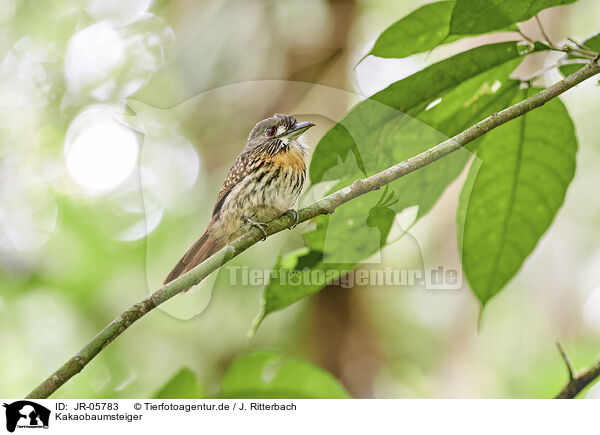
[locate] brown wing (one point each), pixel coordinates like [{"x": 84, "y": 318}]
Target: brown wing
[
  {"x": 240, "y": 168},
  {"x": 208, "y": 243}
]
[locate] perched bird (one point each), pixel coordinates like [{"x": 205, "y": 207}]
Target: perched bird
[{"x": 263, "y": 184}]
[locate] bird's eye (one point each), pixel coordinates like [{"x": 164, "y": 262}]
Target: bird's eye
[{"x": 270, "y": 131}]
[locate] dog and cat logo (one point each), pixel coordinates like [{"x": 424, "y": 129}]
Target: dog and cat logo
[{"x": 26, "y": 414}]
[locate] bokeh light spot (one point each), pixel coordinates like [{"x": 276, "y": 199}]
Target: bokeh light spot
[
  {"x": 100, "y": 152},
  {"x": 93, "y": 55}
]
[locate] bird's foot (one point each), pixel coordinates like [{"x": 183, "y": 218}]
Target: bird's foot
[
  {"x": 294, "y": 214},
  {"x": 261, "y": 226}
]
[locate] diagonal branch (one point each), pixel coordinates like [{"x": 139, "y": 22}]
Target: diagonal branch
[
  {"x": 323, "y": 206},
  {"x": 577, "y": 380},
  {"x": 567, "y": 360}
]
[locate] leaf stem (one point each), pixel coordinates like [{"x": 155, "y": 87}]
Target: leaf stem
[
  {"x": 527, "y": 38},
  {"x": 581, "y": 46},
  {"x": 567, "y": 361},
  {"x": 544, "y": 34}
]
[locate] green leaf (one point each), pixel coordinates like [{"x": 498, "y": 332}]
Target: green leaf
[
  {"x": 593, "y": 43},
  {"x": 182, "y": 385},
  {"x": 480, "y": 16},
  {"x": 423, "y": 29},
  {"x": 527, "y": 165},
  {"x": 368, "y": 123},
  {"x": 265, "y": 374},
  {"x": 412, "y": 94},
  {"x": 373, "y": 137},
  {"x": 474, "y": 100}
]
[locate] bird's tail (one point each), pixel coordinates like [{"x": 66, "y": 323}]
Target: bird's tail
[{"x": 203, "y": 248}]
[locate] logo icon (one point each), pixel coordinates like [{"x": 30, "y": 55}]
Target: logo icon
[{"x": 26, "y": 414}]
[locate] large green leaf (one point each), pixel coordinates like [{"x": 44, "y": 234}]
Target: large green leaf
[
  {"x": 412, "y": 94},
  {"x": 527, "y": 165},
  {"x": 368, "y": 123},
  {"x": 480, "y": 16},
  {"x": 472, "y": 101},
  {"x": 264, "y": 374},
  {"x": 182, "y": 385},
  {"x": 423, "y": 29},
  {"x": 375, "y": 136}
]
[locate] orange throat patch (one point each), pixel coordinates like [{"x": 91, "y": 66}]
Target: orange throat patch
[{"x": 294, "y": 158}]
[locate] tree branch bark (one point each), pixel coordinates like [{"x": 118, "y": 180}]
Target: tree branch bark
[
  {"x": 577, "y": 380},
  {"x": 323, "y": 206}
]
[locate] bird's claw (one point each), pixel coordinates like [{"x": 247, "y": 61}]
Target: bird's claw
[
  {"x": 261, "y": 226},
  {"x": 294, "y": 214}
]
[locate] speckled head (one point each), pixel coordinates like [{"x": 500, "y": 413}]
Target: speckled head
[{"x": 278, "y": 133}]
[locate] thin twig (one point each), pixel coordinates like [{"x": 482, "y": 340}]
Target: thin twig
[
  {"x": 567, "y": 361},
  {"x": 574, "y": 52},
  {"x": 583, "y": 53},
  {"x": 565, "y": 61},
  {"x": 527, "y": 38},
  {"x": 578, "y": 44},
  {"x": 583, "y": 48},
  {"x": 323, "y": 206},
  {"x": 539, "y": 22},
  {"x": 561, "y": 62},
  {"x": 577, "y": 380},
  {"x": 578, "y": 50}
]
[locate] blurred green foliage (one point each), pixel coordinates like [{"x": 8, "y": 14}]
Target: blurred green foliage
[
  {"x": 264, "y": 374},
  {"x": 182, "y": 385}
]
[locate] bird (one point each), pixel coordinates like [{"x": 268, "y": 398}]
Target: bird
[{"x": 263, "y": 183}]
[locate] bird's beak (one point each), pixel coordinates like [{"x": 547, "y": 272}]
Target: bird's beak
[{"x": 298, "y": 128}]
